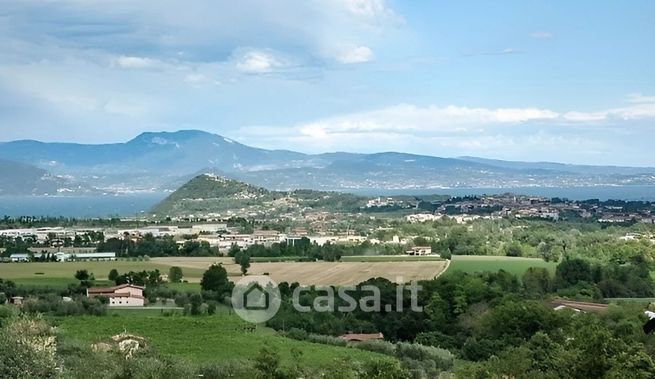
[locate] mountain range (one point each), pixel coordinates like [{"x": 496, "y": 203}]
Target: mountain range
[{"x": 164, "y": 161}]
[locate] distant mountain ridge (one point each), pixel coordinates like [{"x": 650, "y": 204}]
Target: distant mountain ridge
[
  {"x": 18, "y": 178},
  {"x": 563, "y": 167},
  {"x": 163, "y": 161}
]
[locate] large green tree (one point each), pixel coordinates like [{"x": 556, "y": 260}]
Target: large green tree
[
  {"x": 175, "y": 274},
  {"x": 215, "y": 279}
]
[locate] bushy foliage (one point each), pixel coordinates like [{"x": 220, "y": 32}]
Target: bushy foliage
[
  {"x": 28, "y": 349},
  {"x": 442, "y": 359},
  {"x": 175, "y": 274},
  {"x": 377, "y": 346},
  {"x": 150, "y": 246},
  {"x": 54, "y": 305},
  {"x": 215, "y": 280},
  {"x": 326, "y": 340}
]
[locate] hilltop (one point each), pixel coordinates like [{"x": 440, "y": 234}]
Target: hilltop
[{"x": 213, "y": 194}]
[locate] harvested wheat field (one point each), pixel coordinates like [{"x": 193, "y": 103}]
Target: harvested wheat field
[{"x": 320, "y": 273}]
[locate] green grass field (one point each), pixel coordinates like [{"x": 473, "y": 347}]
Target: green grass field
[
  {"x": 60, "y": 272},
  {"x": 52, "y": 282},
  {"x": 184, "y": 287},
  {"x": 514, "y": 265},
  {"x": 389, "y": 258},
  {"x": 220, "y": 337}
]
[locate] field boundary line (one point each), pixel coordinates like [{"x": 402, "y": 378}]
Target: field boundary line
[{"x": 444, "y": 269}]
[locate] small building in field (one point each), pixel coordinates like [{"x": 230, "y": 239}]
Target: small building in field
[
  {"x": 19, "y": 257},
  {"x": 125, "y": 295},
  {"x": 420, "y": 250},
  {"x": 578, "y": 306},
  {"x": 359, "y": 337},
  {"x": 90, "y": 256},
  {"x": 16, "y": 300}
]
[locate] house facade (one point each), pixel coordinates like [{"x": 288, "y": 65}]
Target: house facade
[{"x": 125, "y": 295}]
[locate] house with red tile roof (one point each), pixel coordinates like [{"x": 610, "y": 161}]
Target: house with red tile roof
[{"x": 124, "y": 295}]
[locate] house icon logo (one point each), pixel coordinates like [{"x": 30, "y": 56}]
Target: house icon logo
[{"x": 256, "y": 299}]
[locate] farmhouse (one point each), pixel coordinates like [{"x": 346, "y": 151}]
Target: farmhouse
[
  {"x": 420, "y": 250},
  {"x": 125, "y": 295}
]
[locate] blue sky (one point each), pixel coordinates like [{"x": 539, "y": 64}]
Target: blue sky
[{"x": 521, "y": 80}]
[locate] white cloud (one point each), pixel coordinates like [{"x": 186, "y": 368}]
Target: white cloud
[
  {"x": 584, "y": 116},
  {"x": 371, "y": 11},
  {"x": 148, "y": 33},
  {"x": 407, "y": 127},
  {"x": 405, "y": 118},
  {"x": 639, "y": 98},
  {"x": 257, "y": 62},
  {"x": 354, "y": 54},
  {"x": 137, "y": 62},
  {"x": 399, "y": 127},
  {"x": 639, "y": 107},
  {"x": 635, "y": 112}
]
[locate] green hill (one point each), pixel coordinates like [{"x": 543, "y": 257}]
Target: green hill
[{"x": 209, "y": 194}]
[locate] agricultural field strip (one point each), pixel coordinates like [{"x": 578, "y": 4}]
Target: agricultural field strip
[{"x": 318, "y": 273}]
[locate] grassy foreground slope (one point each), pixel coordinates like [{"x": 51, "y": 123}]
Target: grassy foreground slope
[{"x": 216, "y": 338}]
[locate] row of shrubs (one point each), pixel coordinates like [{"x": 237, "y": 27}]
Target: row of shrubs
[
  {"x": 54, "y": 305},
  {"x": 419, "y": 360},
  {"x": 302, "y": 335}
]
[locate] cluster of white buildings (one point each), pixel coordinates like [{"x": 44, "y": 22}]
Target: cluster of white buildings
[
  {"x": 67, "y": 257},
  {"x": 538, "y": 212},
  {"x": 458, "y": 218},
  {"x": 42, "y": 235},
  {"x": 380, "y": 202},
  {"x": 168, "y": 230},
  {"x": 269, "y": 237}
]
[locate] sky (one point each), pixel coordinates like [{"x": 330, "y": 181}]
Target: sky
[{"x": 563, "y": 81}]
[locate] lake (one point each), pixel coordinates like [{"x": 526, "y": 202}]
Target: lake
[
  {"x": 130, "y": 205},
  {"x": 79, "y": 206}
]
